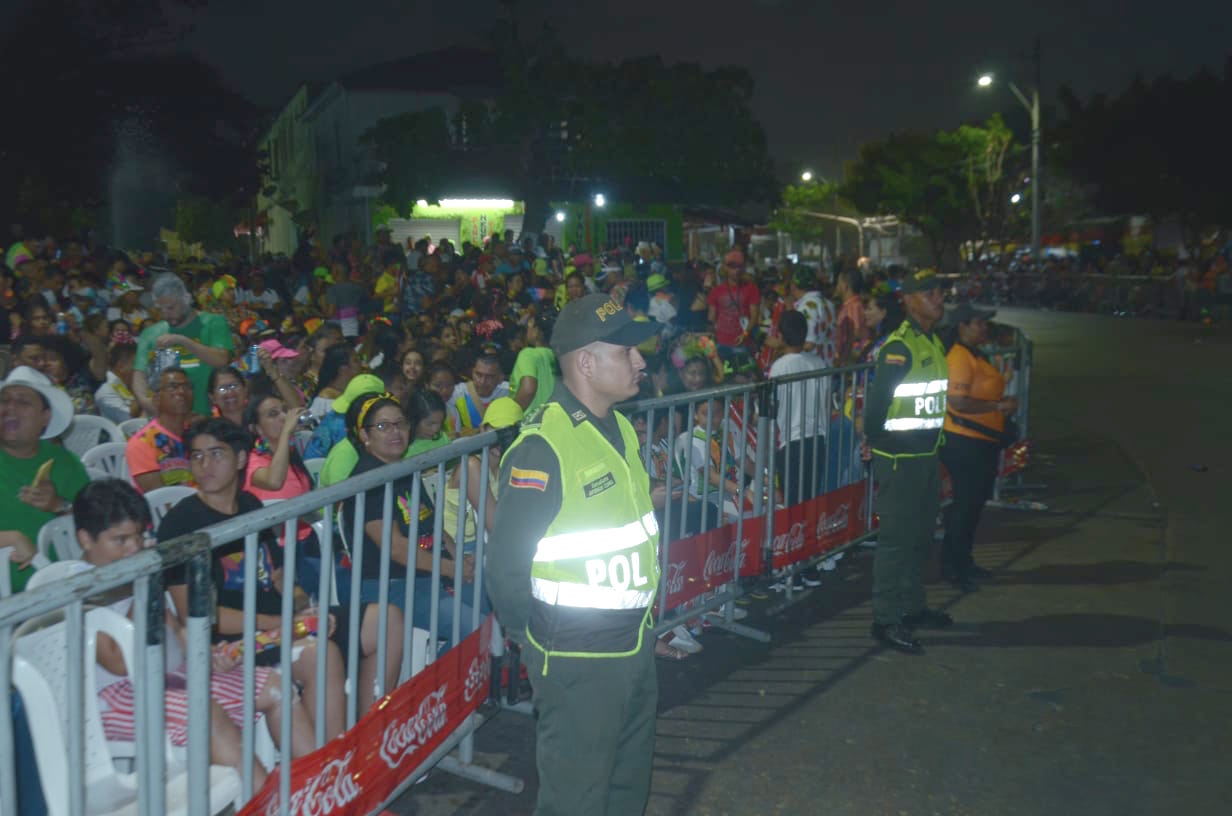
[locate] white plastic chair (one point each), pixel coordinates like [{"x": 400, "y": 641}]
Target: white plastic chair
[
  {"x": 40, "y": 674},
  {"x": 110, "y": 457},
  {"x": 66, "y": 568},
  {"x": 86, "y": 431},
  {"x": 96, "y": 474},
  {"x": 130, "y": 426},
  {"x": 162, "y": 499},
  {"x": 60, "y": 533},
  {"x": 313, "y": 466}
]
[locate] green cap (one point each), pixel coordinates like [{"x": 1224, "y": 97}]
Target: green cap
[
  {"x": 656, "y": 282},
  {"x": 358, "y": 386}
]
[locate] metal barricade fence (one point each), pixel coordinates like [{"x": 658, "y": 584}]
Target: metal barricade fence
[
  {"x": 426, "y": 717},
  {"x": 713, "y": 537},
  {"x": 802, "y": 493}
]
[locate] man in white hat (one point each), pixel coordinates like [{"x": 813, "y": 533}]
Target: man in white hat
[{"x": 38, "y": 480}]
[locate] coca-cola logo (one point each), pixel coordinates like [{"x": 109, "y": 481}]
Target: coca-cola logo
[
  {"x": 790, "y": 541},
  {"x": 476, "y": 678},
  {"x": 402, "y": 738},
  {"x": 331, "y": 790},
  {"x": 725, "y": 564},
  {"x": 675, "y": 576},
  {"x": 836, "y": 522}
]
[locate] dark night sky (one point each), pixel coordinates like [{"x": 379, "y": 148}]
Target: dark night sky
[{"x": 829, "y": 75}]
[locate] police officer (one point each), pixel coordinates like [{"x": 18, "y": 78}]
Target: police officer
[
  {"x": 572, "y": 569},
  {"x": 903, "y": 418}
]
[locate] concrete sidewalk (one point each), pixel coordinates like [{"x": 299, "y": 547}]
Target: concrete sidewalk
[{"x": 1092, "y": 676}]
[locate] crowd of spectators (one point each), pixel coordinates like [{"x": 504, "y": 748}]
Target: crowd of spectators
[
  {"x": 1150, "y": 284},
  {"x": 235, "y": 375}
]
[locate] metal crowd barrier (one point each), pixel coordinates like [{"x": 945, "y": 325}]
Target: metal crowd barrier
[
  {"x": 707, "y": 551},
  {"x": 430, "y": 726},
  {"x": 801, "y": 498}
]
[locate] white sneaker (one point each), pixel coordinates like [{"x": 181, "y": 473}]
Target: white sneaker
[
  {"x": 684, "y": 641},
  {"x": 830, "y": 563},
  {"x": 737, "y": 612},
  {"x": 809, "y": 580}
]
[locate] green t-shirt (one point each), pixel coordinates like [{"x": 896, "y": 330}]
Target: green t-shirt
[
  {"x": 537, "y": 362},
  {"x": 209, "y": 330},
  {"x": 67, "y": 474}
]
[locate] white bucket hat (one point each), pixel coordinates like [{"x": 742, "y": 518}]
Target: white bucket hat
[{"x": 57, "y": 400}]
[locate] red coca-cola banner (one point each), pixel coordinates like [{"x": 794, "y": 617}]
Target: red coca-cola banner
[
  {"x": 356, "y": 772},
  {"x": 706, "y": 561},
  {"x": 812, "y": 527}
]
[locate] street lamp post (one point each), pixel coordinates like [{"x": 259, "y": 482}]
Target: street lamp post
[{"x": 1033, "y": 109}]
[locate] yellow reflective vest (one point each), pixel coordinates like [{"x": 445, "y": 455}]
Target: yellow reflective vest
[
  {"x": 596, "y": 568},
  {"x": 918, "y": 403}
]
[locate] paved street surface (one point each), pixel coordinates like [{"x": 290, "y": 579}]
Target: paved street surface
[{"x": 1092, "y": 676}]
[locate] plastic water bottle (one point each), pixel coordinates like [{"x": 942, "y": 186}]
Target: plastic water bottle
[
  {"x": 61, "y": 323},
  {"x": 252, "y": 362}
]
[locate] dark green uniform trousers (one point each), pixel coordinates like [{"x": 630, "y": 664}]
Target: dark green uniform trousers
[
  {"x": 908, "y": 497},
  {"x": 595, "y": 734}
]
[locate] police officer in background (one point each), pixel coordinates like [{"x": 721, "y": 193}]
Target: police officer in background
[
  {"x": 572, "y": 569},
  {"x": 903, "y": 418}
]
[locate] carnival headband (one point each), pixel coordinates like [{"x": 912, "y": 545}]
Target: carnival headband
[{"x": 368, "y": 403}]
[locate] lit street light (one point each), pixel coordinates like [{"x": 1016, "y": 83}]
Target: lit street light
[
  {"x": 600, "y": 201},
  {"x": 560, "y": 215},
  {"x": 807, "y": 175},
  {"x": 1033, "y": 108},
  {"x": 1015, "y": 198}
]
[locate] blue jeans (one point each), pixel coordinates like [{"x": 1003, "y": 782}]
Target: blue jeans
[{"x": 369, "y": 593}]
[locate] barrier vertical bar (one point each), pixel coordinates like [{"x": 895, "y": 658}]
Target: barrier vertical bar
[
  {"x": 74, "y": 645},
  {"x": 408, "y": 623},
  {"x": 8, "y": 753},
  {"x": 438, "y": 543},
  {"x": 324, "y": 596},
  {"x": 666, "y": 534},
  {"x": 459, "y": 550},
  {"x": 140, "y": 668},
  {"x": 466, "y": 748},
  {"x": 765, "y": 430},
  {"x": 382, "y": 599},
  {"x": 357, "y": 562},
  {"x": 148, "y": 706},
  {"x": 247, "y": 734},
  {"x": 197, "y": 635},
  {"x": 286, "y": 646}
]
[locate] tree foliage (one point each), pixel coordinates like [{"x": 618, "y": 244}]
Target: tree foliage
[
  {"x": 563, "y": 127},
  {"x": 1156, "y": 148},
  {"x": 103, "y": 87},
  {"x": 919, "y": 177}
]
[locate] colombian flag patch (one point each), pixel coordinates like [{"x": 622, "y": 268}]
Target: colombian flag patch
[{"x": 536, "y": 479}]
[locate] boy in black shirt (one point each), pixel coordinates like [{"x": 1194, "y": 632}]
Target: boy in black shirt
[{"x": 218, "y": 454}]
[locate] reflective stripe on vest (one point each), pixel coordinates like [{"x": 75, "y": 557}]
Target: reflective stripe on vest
[
  {"x": 914, "y": 423},
  {"x": 600, "y": 541},
  {"x": 919, "y": 400},
  {"x": 919, "y": 389},
  {"x": 579, "y": 596}
]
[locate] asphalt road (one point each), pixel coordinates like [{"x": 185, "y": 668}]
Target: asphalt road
[{"x": 1093, "y": 675}]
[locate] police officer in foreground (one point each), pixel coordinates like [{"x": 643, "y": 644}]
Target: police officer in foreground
[
  {"x": 903, "y": 418},
  {"x": 572, "y": 569}
]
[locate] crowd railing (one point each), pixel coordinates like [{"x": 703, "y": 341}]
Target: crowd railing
[
  {"x": 433, "y": 710},
  {"x": 803, "y": 493}
]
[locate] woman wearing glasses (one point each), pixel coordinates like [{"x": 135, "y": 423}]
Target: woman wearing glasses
[{"x": 381, "y": 432}]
